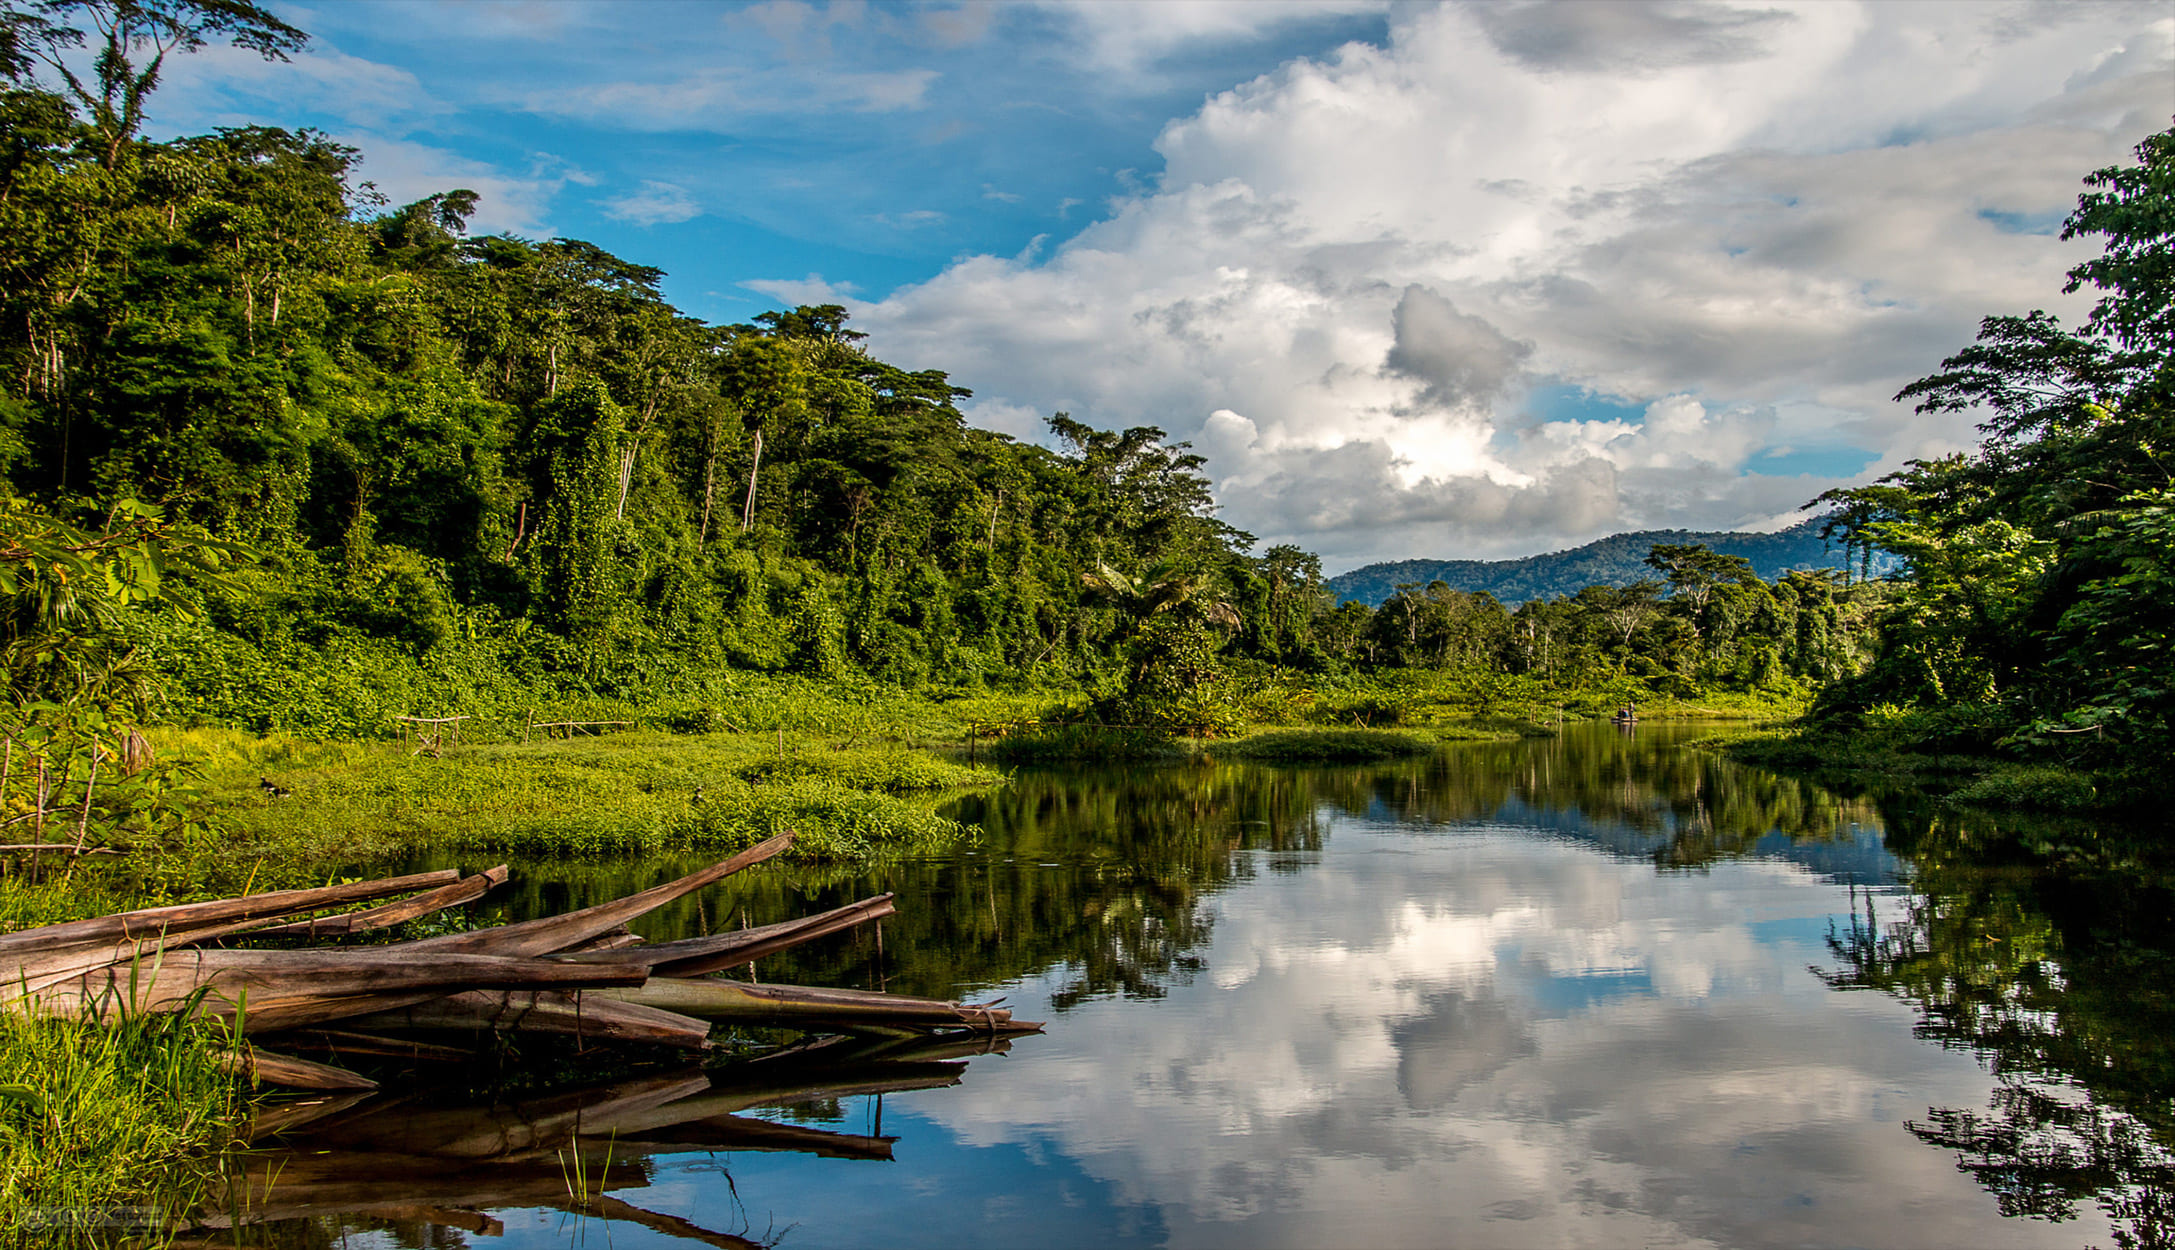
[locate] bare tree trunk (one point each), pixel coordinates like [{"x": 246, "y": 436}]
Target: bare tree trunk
[
  {"x": 747, "y": 510},
  {"x": 709, "y": 477},
  {"x": 626, "y": 477}
]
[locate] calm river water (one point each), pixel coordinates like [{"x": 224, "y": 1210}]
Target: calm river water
[{"x": 1596, "y": 990}]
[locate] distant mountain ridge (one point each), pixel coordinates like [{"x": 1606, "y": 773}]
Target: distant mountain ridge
[{"x": 1617, "y": 560}]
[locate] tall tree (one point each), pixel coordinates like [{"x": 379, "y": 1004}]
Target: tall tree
[{"x": 132, "y": 38}]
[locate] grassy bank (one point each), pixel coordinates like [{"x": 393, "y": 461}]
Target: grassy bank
[
  {"x": 107, "y": 1135},
  {"x": 632, "y": 793}
]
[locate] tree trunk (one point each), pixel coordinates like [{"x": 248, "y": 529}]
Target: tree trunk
[
  {"x": 709, "y": 479},
  {"x": 747, "y": 510}
]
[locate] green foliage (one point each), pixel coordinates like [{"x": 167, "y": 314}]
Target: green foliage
[
  {"x": 489, "y": 475},
  {"x": 132, "y": 1121},
  {"x": 2034, "y": 605},
  {"x": 1305, "y": 746},
  {"x": 2034, "y": 787}
]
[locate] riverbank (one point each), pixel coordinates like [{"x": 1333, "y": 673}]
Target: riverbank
[{"x": 859, "y": 771}]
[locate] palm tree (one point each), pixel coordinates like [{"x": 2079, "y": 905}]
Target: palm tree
[{"x": 1163, "y": 587}]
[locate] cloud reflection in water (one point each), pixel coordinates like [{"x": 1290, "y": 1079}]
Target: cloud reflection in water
[{"x": 1483, "y": 1036}]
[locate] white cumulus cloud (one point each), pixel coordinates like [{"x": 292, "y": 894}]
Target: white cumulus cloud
[{"x": 1755, "y": 223}]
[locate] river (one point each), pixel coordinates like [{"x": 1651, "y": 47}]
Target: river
[{"x": 1591, "y": 990}]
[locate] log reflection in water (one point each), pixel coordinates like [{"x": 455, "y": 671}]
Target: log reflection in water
[{"x": 414, "y": 1159}]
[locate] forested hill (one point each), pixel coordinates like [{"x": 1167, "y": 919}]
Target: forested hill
[{"x": 1618, "y": 560}]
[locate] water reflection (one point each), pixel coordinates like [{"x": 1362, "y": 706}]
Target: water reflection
[{"x": 1573, "y": 990}]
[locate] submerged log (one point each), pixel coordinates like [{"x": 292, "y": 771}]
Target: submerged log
[
  {"x": 350, "y": 1042},
  {"x": 571, "y": 1013},
  {"x": 264, "y": 1067},
  {"x": 805, "y": 1005}
]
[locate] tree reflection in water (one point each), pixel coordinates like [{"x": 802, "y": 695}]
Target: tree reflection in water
[
  {"x": 2042, "y": 947},
  {"x": 2062, "y": 980}
]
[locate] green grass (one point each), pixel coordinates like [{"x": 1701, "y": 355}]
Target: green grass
[
  {"x": 131, "y": 1123},
  {"x": 642, "y": 792}
]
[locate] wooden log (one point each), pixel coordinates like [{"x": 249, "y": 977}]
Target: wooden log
[
  {"x": 273, "y": 990},
  {"x": 571, "y": 1013},
  {"x": 766, "y": 940},
  {"x": 347, "y": 1042},
  {"x": 556, "y": 933},
  {"x": 917, "y": 1047},
  {"x": 263, "y": 1067},
  {"x": 617, "y": 938},
  {"x": 465, "y": 890},
  {"x": 176, "y": 924},
  {"x": 797, "y": 1004},
  {"x": 697, "y": 956}
]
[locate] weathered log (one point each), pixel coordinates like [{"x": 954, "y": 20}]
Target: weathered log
[
  {"x": 182, "y": 922},
  {"x": 690, "y": 957},
  {"x": 263, "y": 1067},
  {"x": 747, "y": 1089},
  {"x": 573, "y": 1013},
  {"x": 617, "y": 938},
  {"x": 465, "y": 890},
  {"x": 349, "y": 1042},
  {"x": 917, "y": 1046},
  {"x": 798, "y": 1004},
  {"x": 273, "y": 990},
  {"x": 556, "y": 933}
]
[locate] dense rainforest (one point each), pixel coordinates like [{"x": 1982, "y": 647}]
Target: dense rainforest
[
  {"x": 451, "y": 470},
  {"x": 441, "y": 471}
]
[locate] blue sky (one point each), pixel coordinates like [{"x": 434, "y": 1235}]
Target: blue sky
[
  {"x": 1420, "y": 280},
  {"x": 759, "y": 143}
]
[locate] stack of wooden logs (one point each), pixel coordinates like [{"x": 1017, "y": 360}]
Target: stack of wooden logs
[{"x": 582, "y": 974}]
